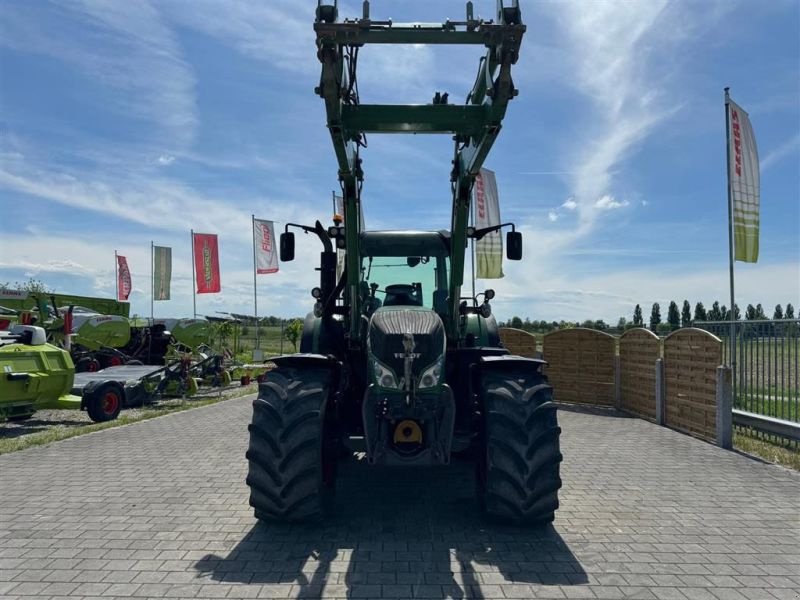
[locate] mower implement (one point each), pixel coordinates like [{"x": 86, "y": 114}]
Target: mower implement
[{"x": 394, "y": 361}]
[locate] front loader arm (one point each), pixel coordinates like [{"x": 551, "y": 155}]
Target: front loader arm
[{"x": 475, "y": 125}]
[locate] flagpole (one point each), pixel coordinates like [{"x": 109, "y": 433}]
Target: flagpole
[
  {"x": 255, "y": 280},
  {"x": 194, "y": 284},
  {"x": 730, "y": 239},
  {"x": 116, "y": 278},
  {"x": 152, "y": 280}
]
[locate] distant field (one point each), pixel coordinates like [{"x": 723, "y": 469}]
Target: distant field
[{"x": 269, "y": 341}]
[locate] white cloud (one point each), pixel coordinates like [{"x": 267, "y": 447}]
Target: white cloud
[
  {"x": 611, "y": 55},
  {"x": 278, "y": 32},
  {"x": 552, "y": 216},
  {"x": 608, "y": 202},
  {"x": 165, "y": 159},
  {"x": 787, "y": 148},
  {"x": 125, "y": 47}
]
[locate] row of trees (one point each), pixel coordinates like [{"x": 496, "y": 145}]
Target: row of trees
[
  {"x": 685, "y": 317},
  {"x": 676, "y": 318}
]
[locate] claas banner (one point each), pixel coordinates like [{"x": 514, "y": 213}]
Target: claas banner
[
  {"x": 123, "y": 278},
  {"x": 206, "y": 263}
]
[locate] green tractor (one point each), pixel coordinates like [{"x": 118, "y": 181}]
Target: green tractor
[{"x": 394, "y": 362}]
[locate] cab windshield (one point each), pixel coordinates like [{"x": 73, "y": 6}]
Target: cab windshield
[{"x": 429, "y": 273}]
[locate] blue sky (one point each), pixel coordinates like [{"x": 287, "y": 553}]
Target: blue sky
[{"x": 126, "y": 122}]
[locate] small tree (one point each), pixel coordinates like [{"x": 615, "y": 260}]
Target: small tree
[
  {"x": 700, "y": 312},
  {"x": 638, "y": 320},
  {"x": 789, "y": 311},
  {"x": 516, "y": 322},
  {"x": 293, "y": 331},
  {"x": 737, "y": 314},
  {"x": 714, "y": 314},
  {"x": 778, "y": 314},
  {"x": 622, "y": 324},
  {"x": 673, "y": 316},
  {"x": 760, "y": 314},
  {"x": 686, "y": 314},
  {"x": 32, "y": 286},
  {"x": 655, "y": 317},
  {"x": 750, "y": 312}
]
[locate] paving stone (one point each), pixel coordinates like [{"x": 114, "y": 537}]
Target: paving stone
[{"x": 159, "y": 509}]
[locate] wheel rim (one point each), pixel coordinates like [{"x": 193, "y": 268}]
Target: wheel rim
[
  {"x": 110, "y": 403},
  {"x": 92, "y": 366},
  {"x": 115, "y": 361}
]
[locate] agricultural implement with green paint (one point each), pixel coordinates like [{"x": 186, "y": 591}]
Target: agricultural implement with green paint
[
  {"x": 35, "y": 375},
  {"x": 394, "y": 361}
]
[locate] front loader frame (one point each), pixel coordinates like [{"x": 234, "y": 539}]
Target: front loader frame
[{"x": 474, "y": 125}]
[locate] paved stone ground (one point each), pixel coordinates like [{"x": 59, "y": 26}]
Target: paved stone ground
[{"x": 159, "y": 509}]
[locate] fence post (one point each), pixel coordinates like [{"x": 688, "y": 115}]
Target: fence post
[
  {"x": 724, "y": 407},
  {"x": 617, "y": 384},
  {"x": 661, "y": 412}
]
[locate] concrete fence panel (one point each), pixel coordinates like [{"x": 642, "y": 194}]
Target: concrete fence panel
[
  {"x": 691, "y": 358},
  {"x": 581, "y": 365},
  {"x": 638, "y": 351},
  {"x": 519, "y": 342}
]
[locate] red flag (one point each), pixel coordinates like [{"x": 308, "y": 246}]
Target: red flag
[
  {"x": 123, "y": 278},
  {"x": 206, "y": 263}
]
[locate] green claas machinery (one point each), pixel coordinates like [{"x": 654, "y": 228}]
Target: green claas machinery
[
  {"x": 35, "y": 375},
  {"x": 394, "y": 362}
]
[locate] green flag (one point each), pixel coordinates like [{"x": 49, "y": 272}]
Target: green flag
[{"x": 162, "y": 272}]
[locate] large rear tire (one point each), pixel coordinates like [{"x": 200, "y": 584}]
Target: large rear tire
[
  {"x": 518, "y": 463},
  {"x": 291, "y": 466}
]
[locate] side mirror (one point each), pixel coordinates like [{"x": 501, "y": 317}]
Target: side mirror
[
  {"x": 287, "y": 246},
  {"x": 412, "y": 261},
  {"x": 514, "y": 245}
]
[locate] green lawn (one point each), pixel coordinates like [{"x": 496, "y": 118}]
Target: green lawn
[{"x": 58, "y": 432}]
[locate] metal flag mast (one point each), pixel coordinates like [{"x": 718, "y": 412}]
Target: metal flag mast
[
  {"x": 152, "y": 280},
  {"x": 255, "y": 278},
  {"x": 194, "y": 285},
  {"x": 730, "y": 238}
]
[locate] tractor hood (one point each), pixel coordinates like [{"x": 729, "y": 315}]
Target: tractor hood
[{"x": 410, "y": 342}]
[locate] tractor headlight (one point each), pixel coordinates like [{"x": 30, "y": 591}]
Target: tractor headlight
[
  {"x": 385, "y": 377},
  {"x": 431, "y": 376}
]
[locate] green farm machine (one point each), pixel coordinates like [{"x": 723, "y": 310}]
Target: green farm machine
[{"x": 394, "y": 361}]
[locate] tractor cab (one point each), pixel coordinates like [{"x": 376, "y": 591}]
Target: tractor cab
[{"x": 404, "y": 268}]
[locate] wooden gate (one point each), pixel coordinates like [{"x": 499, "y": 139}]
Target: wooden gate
[
  {"x": 518, "y": 341},
  {"x": 581, "y": 365},
  {"x": 638, "y": 351},
  {"x": 691, "y": 358}
]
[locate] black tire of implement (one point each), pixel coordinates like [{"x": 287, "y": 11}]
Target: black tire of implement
[
  {"x": 287, "y": 438},
  {"x": 95, "y": 402},
  {"x": 518, "y": 465}
]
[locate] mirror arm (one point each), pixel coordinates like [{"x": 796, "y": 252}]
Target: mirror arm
[
  {"x": 318, "y": 229},
  {"x": 480, "y": 233}
]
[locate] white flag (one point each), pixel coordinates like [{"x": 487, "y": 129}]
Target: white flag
[
  {"x": 745, "y": 184},
  {"x": 264, "y": 240},
  {"x": 488, "y": 249}
]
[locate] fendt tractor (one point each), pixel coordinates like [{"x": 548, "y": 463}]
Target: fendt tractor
[{"x": 394, "y": 362}]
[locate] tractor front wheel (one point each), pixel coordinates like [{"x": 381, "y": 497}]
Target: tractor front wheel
[
  {"x": 518, "y": 463},
  {"x": 292, "y": 469}
]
